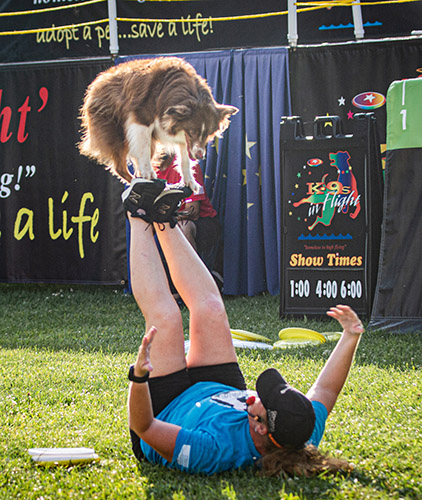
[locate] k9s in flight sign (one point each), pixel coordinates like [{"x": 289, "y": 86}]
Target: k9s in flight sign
[{"x": 327, "y": 213}]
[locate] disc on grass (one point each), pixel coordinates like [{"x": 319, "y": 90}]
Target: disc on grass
[
  {"x": 245, "y": 335},
  {"x": 62, "y": 456},
  {"x": 295, "y": 342},
  {"x": 332, "y": 335},
  {"x": 300, "y": 333},
  {"x": 249, "y": 344},
  {"x": 242, "y": 344}
]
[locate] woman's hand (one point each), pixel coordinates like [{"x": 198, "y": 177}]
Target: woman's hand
[
  {"x": 143, "y": 362},
  {"x": 347, "y": 318}
]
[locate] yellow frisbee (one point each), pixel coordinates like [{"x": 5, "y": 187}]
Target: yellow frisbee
[
  {"x": 295, "y": 342},
  {"x": 300, "y": 334},
  {"x": 245, "y": 335}
]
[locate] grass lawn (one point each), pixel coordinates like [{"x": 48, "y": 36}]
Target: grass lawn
[{"x": 64, "y": 356}]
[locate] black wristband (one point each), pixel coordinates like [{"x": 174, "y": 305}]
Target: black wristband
[{"x": 133, "y": 378}]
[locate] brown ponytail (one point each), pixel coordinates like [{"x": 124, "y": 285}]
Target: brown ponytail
[{"x": 307, "y": 461}]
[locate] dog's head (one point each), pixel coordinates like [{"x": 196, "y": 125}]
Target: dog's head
[{"x": 200, "y": 123}]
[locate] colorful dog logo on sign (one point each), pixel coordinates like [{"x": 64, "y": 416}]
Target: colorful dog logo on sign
[{"x": 333, "y": 196}]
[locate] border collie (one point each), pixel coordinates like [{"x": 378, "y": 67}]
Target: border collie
[{"x": 130, "y": 107}]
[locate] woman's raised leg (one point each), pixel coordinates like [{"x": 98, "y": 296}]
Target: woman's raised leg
[
  {"x": 210, "y": 338},
  {"x": 151, "y": 291}
]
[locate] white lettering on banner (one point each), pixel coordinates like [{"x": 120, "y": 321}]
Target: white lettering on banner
[{"x": 7, "y": 179}]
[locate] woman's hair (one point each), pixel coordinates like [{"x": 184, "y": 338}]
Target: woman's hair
[{"x": 307, "y": 461}]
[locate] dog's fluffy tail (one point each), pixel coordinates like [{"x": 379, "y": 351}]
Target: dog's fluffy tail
[
  {"x": 97, "y": 145},
  {"x": 86, "y": 148},
  {"x": 115, "y": 161}
]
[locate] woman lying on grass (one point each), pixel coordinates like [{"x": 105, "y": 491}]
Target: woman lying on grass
[{"x": 195, "y": 413}]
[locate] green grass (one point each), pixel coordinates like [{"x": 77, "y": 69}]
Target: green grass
[{"x": 64, "y": 355}]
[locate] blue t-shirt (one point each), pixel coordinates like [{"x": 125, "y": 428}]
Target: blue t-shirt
[{"x": 214, "y": 434}]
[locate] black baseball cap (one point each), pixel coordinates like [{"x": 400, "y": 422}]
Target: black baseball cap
[{"x": 291, "y": 417}]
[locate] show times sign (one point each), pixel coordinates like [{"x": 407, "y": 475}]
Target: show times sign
[{"x": 325, "y": 248}]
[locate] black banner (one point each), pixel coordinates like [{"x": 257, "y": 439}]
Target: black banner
[
  {"x": 200, "y": 27},
  {"x": 336, "y": 24},
  {"x": 331, "y": 216},
  {"x": 73, "y": 40},
  {"x": 60, "y": 215},
  {"x": 398, "y": 304},
  {"x": 398, "y": 295},
  {"x": 193, "y": 29},
  {"x": 78, "y": 30},
  {"x": 344, "y": 80}
]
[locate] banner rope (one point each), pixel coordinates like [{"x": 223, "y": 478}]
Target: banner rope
[
  {"x": 231, "y": 18},
  {"x": 351, "y": 3},
  {"x": 143, "y": 1}
]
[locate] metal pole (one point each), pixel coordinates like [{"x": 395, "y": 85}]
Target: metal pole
[
  {"x": 292, "y": 35},
  {"x": 112, "y": 23},
  {"x": 357, "y": 20}
]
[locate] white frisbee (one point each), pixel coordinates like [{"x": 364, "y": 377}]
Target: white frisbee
[
  {"x": 241, "y": 344},
  {"x": 62, "y": 456}
]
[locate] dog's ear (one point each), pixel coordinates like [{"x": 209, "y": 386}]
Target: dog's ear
[
  {"x": 227, "y": 111},
  {"x": 179, "y": 111}
]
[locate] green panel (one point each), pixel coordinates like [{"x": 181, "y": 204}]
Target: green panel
[{"x": 404, "y": 114}]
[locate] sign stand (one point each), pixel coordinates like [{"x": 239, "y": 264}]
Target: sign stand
[{"x": 331, "y": 214}]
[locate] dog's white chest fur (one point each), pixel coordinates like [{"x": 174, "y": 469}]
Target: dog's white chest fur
[{"x": 140, "y": 142}]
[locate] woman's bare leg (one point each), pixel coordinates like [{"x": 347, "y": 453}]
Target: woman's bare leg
[
  {"x": 151, "y": 291},
  {"x": 210, "y": 338}
]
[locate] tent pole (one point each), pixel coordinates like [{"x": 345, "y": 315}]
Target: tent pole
[
  {"x": 292, "y": 35},
  {"x": 357, "y": 20},
  {"x": 114, "y": 37}
]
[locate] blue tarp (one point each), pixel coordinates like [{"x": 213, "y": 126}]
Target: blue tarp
[{"x": 242, "y": 170}]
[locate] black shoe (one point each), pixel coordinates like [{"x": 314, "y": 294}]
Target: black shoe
[
  {"x": 138, "y": 199},
  {"x": 166, "y": 204}
]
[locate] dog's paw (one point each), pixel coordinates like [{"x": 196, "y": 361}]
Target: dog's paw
[
  {"x": 148, "y": 174},
  {"x": 196, "y": 188}
]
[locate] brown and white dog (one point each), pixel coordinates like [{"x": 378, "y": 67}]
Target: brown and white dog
[{"x": 131, "y": 106}]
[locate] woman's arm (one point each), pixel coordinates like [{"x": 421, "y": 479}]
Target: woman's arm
[
  {"x": 159, "y": 435},
  {"x": 331, "y": 380}
]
